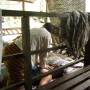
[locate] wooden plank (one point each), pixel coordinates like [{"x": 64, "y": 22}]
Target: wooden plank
[
  {"x": 47, "y": 49},
  {"x": 31, "y": 13},
  {"x": 73, "y": 82},
  {"x": 64, "y": 79},
  {"x": 83, "y": 86}
]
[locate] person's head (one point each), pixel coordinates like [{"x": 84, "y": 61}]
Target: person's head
[{"x": 50, "y": 27}]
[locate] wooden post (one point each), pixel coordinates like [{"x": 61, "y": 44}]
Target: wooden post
[{"x": 26, "y": 51}]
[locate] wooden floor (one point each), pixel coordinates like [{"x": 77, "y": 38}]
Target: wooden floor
[{"x": 79, "y": 80}]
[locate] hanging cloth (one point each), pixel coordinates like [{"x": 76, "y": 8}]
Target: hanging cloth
[{"x": 76, "y": 32}]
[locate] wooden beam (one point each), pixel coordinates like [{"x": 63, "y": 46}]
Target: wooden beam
[{"x": 28, "y": 13}]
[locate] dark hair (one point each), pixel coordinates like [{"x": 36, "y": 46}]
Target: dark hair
[{"x": 50, "y": 27}]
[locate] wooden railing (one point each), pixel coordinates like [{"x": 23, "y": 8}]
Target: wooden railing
[{"x": 26, "y": 48}]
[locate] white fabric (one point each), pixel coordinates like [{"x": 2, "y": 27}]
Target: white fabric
[{"x": 40, "y": 38}]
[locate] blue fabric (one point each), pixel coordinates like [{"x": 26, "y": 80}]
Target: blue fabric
[{"x": 35, "y": 72}]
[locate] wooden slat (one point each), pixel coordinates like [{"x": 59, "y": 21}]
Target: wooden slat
[
  {"x": 13, "y": 86},
  {"x": 84, "y": 86},
  {"x": 13, "y": 55},
  {"x": 64, "y": 79},
  {"x": 33, "y": 52},
  {"x": 21, "y": 83},
  {"x": 73, "y": 82}
]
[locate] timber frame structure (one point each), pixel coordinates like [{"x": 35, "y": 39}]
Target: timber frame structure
[{"x": 26, "y": 54}]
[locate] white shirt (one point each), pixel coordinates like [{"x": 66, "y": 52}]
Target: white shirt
[{"x": 40, "y": 39}]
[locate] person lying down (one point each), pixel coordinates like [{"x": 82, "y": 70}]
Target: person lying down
[{"x": 40, "y": 38}]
